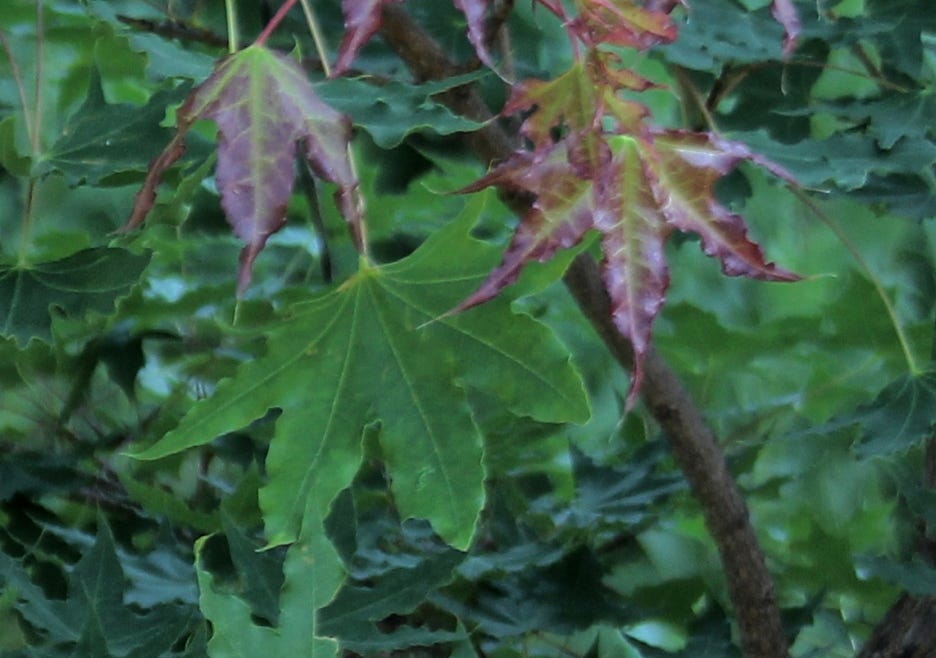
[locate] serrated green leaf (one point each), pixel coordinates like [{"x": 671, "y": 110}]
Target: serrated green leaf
[
  {"x": 89, "y": 280},
  {"x": 375, "y": 351},
  {"x": 392, "y": 111}
]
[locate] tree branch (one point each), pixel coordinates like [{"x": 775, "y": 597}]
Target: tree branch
[{"x": 694, "y": 445}]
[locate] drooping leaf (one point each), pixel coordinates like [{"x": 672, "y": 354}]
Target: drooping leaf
[
  {"x": 265, "y": 109},
  {"x": 90, "y": 280},
  {"x": 559, "y": 217},
  {"x": 635, "y": 272},
  {"x": 391, "y": 111},
  {"x": 785, "y": 13},
  {"x": 102, "y": 139},
  {"x": 683, "y": 177},
  {"x": 362, "y": 355}
]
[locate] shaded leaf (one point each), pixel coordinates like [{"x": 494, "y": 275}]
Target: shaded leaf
[
  {"x": 391, "y": 111},
  {"x": 365, "y": 354},
  {"x": 901, "y": 416},
  {"x": 102, "y": 139},
  {"x": 89, "y": 280},
  {"x": 353, "y": 612},
  {"x": 94, "y": 620},
  {"x": 916, "y": 578}
]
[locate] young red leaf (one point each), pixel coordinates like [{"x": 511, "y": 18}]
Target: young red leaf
[
  {"x": 634, "y": 269},
  {"x": 785, "y": 13},
  {"x": 362, "y": 19},
  {"x": 682, "y": 168},
  {"x": 562, "y": 212},
  {"x": 474, "y": 11},
  {"x": 576, "y": 100},
  {"x": 621, "y": 23},
  {"x": 635, "y": 191},
  {"x": 264, "y": 105}
]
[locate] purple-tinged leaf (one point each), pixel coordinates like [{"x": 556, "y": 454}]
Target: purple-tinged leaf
[
  {"x": 362, "y": 19},
  {"x": 475, "y": 11},
  {"x": 562, "y": 212},
  {"x": 785, "y": 13},
  {"x": 264, "y": 106},
  {"x": 682, "y": 169},
  {"x": 635, "y": 272},
  {"x": 577, "y": 100}
]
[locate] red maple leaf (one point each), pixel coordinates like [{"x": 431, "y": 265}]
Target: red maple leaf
[{"x": 640, "y": 191}]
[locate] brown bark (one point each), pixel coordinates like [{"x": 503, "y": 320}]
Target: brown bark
[{"x": 694, "y": 444}]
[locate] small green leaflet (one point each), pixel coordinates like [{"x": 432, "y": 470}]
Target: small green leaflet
[
  {"x": 378, "y": 350},
  {"x": 89, "y": 280}
]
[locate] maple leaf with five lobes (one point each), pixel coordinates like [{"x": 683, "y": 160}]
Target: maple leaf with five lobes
[
  {"x": 650, "y": 186},
  {"x": 265, "y": 109}
]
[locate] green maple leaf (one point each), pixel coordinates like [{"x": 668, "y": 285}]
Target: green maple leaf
[
  {"x": 102, "y": 139},
  {"x": 265, "y": 109},
  {"x": 364, "y": 354},
  {"x": 89, "y": 280}
]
